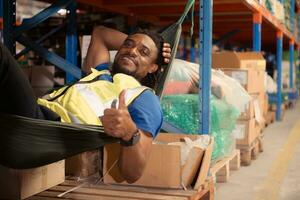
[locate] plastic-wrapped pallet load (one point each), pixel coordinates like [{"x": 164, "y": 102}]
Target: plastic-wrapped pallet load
[
  {"x": 182, "y": 111},
  {"x": 181, "y": 105}
]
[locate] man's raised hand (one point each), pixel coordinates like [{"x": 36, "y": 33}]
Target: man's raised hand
[{"x": 117, "y": 122}]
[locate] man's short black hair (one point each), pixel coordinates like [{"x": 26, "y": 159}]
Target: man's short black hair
[{"x": 151, "y": 79}]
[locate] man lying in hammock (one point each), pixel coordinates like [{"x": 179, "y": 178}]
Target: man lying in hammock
[{"x": 117, "y": 101}]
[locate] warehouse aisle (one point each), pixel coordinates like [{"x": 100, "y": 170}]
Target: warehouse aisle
[{"x": 272, "y": 175}]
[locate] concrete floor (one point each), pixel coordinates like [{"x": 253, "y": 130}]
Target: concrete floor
[{"x": 269, "y": 174}]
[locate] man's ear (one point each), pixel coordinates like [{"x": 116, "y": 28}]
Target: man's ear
[{"x": 153, "y": 68}]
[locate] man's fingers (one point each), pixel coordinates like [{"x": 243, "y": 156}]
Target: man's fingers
[
  {"x": 167, "y": 50},
  {"x": 166, "y": 44},
  {"x": 166, "y": 55},
  {"x": 122, "y": 104}
]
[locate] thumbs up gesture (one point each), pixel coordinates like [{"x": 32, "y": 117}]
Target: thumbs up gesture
[{"x": 117, "y": 121}]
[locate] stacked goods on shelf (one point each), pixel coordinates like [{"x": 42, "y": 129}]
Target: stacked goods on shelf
[
  {"x": 180, "y": 105},
  {"x": 276, "y": 8},
  {"x": 287, "y": 14},
  {"x": 188, "y": 49},
  {"x": 248, "y": 68},
  {"x": 40, "y": 77},
  {"x": 271, "y": 88},
  {"x": 269, "y": 5},
  {"x": 279, "y": 11}
]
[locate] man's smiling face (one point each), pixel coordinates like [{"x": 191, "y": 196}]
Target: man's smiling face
[{"x": 136, "y": 57}]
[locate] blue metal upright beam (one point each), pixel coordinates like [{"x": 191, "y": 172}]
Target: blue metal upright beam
[
  {"x": 279, "y": 73},
  {"x": 291, "y": 64},
  {"x": 205, "y": 49},
  {"x": 50, "y": 56},
  {"x": 257, "y": 20},
  {"x": 9, "y": 20},
  {"x": 71, "y": 39}
]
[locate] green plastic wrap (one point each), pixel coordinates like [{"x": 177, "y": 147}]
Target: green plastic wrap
[{"x": 182, "y": 112}]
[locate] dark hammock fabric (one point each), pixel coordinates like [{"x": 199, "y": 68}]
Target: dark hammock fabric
[{"x": 27, "y": 143}]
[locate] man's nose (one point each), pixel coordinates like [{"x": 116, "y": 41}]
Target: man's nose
[{"x": 134, "y": 51}]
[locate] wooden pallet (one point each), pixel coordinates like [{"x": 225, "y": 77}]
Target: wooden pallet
[
  {"x": 249, "y": 153},
  {"x": 220, "y": 171},
  {"x": 272, "y": 108},
  {"x": 262, "y": 127},
  {"x": 116, "y": 192},
  {"x": 270, "y": 118},
  {"x": 291, "y": 104}
]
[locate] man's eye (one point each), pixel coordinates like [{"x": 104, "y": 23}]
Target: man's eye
[
  {"x": 144, "y": 52},
  {"x": 127, "y": 44}
]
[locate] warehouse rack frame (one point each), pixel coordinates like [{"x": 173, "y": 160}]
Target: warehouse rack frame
[
  {"x": 259, "y": 13},
  {"x": 13, "y": 34}
]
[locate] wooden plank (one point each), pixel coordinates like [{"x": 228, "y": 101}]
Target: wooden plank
[
  {"x": 235, "y": 163},
  {"x": 175, "y": 192},
  {"x": 246, "y": 157},
  {"x": 45, "y": 198},
  {"x": 206, "y": 191},
  {"x": 255, "y": 151},
  {"x": 124, "y": 194},
  {"x": 252, "y": 151},
  {"x": 221, "y": 169},
  {"x": 114, "y": 192},
  {"x": 79, "y": 196}
]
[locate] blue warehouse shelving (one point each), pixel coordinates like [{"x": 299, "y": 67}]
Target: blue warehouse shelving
[{"x": 257, "y": 24}]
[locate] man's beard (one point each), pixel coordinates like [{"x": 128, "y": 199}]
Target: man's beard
[{"x": 116, "y": 68}]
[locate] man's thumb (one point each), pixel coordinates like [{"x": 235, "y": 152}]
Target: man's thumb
[{"x": 122, "y": 104}]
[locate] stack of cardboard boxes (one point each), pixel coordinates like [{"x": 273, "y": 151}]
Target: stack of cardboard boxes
[
  {"x": 23, "y": 183},
  {"x": 41, "y": 78},
  {"x": 248, "y": 68}
]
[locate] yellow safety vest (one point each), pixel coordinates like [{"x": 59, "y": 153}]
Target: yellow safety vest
[{"x": 85, "y": 101}]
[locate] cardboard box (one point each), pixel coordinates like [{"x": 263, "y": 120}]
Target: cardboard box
[
  {"x": 20, "y": 184},
  {"x": 249, "y": 112},
  {"x": 252, "y": 80},
  {"x": 42, "y": 76},
  {"x": 238, "y": 60},
  {"x": 255, "y": 108},
  {"x": 266, "y": 104},
  {"x": 84, "y": 164},
  {"x": 163, "y": 167},
  {"x": 245, "y": 132},
  {"x": 41, "y": 91}
]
